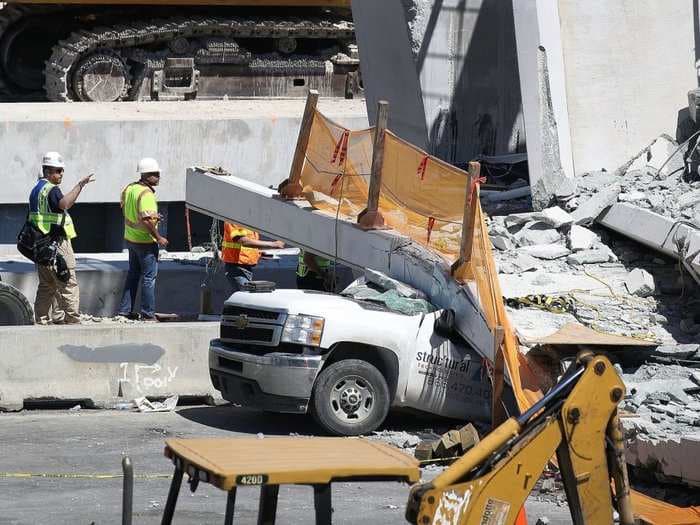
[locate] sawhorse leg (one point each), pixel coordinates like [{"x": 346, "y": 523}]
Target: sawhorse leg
[
  {"x": 322, "y": 504},
  {"x": 267, "y": 510},
  {"x": 172, "y": 496},
  {"x": 230, "y": 506}
]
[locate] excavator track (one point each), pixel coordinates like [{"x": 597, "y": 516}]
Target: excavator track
[{"x": 68, "y": 53}]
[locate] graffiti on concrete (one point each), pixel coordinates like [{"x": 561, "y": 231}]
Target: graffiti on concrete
[
  {"x": 132, "y": 352},
  {"x": 146, "y": 378}
]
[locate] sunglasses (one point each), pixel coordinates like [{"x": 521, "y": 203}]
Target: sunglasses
[
  {"x": 56, "y": 170},
  {"x": 154, "y": 174}
]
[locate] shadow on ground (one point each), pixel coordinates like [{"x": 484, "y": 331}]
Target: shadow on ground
[{"x": 245, "y": 421}]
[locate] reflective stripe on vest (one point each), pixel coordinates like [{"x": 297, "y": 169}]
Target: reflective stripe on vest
[
  {"x": 43, "y": 218},
  {"x": 134, "y": 229},
  {"x": 303, "y": 270}
]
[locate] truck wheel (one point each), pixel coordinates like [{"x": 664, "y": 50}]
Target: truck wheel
[
  {"x": 14, "y": 307},
  {"x": 351, "y": 397}
]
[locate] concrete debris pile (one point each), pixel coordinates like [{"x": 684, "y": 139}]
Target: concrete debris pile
[
  {"x": 558, "y": 266},
  {"x": 554, "y": 271},
  {"x": 451, "y": 444},
  {"x": 663, "y": 435},
  {"x": 653, "y": 180}
]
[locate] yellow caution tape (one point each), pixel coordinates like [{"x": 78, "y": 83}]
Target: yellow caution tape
[{"x": 59, "y": 475}]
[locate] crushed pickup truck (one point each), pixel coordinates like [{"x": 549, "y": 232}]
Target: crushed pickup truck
[{"x": 347, "y": 359}]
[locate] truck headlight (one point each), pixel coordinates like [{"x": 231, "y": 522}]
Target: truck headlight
[{"x": 303, "y": 330}]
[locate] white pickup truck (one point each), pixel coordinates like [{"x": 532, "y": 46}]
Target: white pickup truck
[{"x": 345, "y": 360}]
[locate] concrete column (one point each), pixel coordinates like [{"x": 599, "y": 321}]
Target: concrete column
[
  {"x": 543, "y": 88},
  {"x": 453, "y": 78}
]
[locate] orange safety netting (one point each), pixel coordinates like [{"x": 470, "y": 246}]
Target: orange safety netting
[{"x": 423, "y": 198}]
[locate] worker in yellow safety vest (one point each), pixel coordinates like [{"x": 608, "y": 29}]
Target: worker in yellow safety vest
[
  {"x": 314, "y": 272},
  {"x": 57, "y": 297},
  {"x": 141, "y": 217},
  {"x": 240, "y": 251}
]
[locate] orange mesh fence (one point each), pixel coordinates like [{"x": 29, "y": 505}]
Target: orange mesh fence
[
  {"x": 425, "y": 205},
  {"x": 424, "y": 199}
]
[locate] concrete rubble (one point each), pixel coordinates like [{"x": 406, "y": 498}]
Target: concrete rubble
[{"x": 614, "y": 284}]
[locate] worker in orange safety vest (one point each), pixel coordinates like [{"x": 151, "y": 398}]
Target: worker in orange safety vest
[{"x": 240, "y": 251}]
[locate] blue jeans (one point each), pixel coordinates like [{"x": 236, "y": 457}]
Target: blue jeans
[
  {"x": 143, "y": 267},
  {"x": 238, "y": 275}
]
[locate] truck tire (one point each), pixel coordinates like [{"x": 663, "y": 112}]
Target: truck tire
[
  {"x": 14, "y": 307},
  {"x": 351, "y": 397}
]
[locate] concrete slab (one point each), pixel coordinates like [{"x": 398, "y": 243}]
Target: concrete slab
[
  {"x": 247, "y": 203},
  {"x": 110, "y": 138},
  {"x": 656, "y": 231},
  {"x": 104, "y": 363}
]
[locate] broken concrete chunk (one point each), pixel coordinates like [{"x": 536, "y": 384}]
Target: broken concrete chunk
[
  {"x": 688, "y": 199},
  {"x": 632, "y": 196},
  {"x": 546, "y": 251},
  {"x": 589, "y": 210},
  {"x": 695, "y": 378},
  {"x": 581, "y": 238},
  {"x": 657, "y": 154},
  {"x": 556, "y": 217},
  {"x": 451, "y": 444},
  {"x": 588, "y": 257},
  {"x": 534, "y": 233},
  {"x": 677, "y": 351},
  {"x": 525, "y": 263},
  {"x": 640, "y": 283},
  {"x": 501, "y": 243}
]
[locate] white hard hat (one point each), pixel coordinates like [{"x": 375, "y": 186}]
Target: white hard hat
[
  {"x": 147, "y": 165},
  {"x": 53, "y": 159}
]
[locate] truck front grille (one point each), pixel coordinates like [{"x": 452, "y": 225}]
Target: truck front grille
[
  {"x": 260, "y": 334},
  {"x": 253, "y": 314}
]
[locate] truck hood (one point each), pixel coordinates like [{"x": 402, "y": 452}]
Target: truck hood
[
  {"x": 311, "y": 303},
  {"x": 346, "y": 318}
]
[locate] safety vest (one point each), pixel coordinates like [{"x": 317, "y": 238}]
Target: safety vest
[
  {"x": 43, "y": 218},
  {"x": 232, "y": 251},
  {"x": 302, "y": 270},
  {"x": 138, "y": 201}
]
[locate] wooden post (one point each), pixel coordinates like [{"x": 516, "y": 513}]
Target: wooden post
[
  {"x": 371, "y": 218},
  {"x": 292, "y": 188},
  {"x": 498, "y": 412},
  {"x": 468, "y": 221}
]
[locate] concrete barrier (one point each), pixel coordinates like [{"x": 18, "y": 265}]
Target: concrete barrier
[
  {"x": 101, "y": 279},
  {"x": 104, "y": 363}
]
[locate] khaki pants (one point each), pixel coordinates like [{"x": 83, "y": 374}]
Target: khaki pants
[{"x": 56, "y": 301}]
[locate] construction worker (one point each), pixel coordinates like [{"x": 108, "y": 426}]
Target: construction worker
[
  {"x": 140, "y": 210},
  {"x": 57, "y": 299},
  {"x": 240, "y": 251},
  {"x": 314, "y": 272}
]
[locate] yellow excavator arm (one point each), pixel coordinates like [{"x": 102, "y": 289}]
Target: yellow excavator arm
[{"x": 577, "y": 420}]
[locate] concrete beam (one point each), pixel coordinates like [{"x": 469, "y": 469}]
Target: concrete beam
[
  {"x": 247, "y": 203},
  {"x": 104, "y": 364},
  {"x": 110, "y": 138},
  {"x": 656, "y": 231}
]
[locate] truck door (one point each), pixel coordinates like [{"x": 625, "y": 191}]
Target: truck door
[{"x": 447, "y": 377}]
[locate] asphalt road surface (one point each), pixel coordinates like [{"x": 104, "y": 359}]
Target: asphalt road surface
[{"x": 65, "y": 467}]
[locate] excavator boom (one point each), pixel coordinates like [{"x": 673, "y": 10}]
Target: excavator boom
[{"x": 576, "y": 421}]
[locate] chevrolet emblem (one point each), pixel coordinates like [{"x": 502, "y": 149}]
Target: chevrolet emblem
[{"x": 241, "y": 322}]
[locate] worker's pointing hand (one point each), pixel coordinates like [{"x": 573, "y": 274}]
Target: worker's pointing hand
[{"x": 87, "y": 180}]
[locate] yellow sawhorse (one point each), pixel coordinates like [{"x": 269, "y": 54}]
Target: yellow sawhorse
[{"x": 228, "y": 463}]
